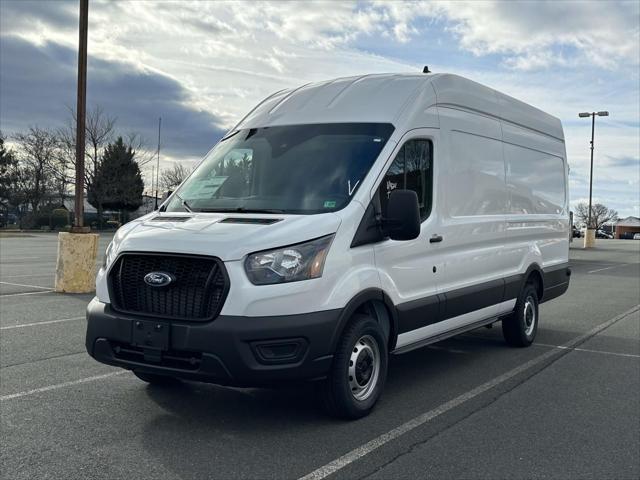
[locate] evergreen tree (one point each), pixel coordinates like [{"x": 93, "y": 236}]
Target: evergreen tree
[
  {"x": 8, "y": 178},
  {"x": 117, "y": 184}
]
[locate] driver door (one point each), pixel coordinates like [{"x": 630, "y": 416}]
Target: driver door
[{"x": 409, "y": 270}]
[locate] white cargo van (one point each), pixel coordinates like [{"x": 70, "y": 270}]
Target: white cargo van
[{"x": 340, "y": 222}]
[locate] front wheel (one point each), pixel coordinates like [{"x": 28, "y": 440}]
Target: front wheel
[
  {"x": 520, "y": 328},
  {"x": 358, "y": 371}
]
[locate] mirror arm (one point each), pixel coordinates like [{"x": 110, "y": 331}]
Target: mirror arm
[
  {"x": 377, "y": 222},
  {"x": 387, "y": 224},
  {"x": 390, "y": 222}
]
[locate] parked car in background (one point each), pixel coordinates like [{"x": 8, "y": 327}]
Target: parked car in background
[
  {"x": 636, "y": 236},
  {"x": 576, "y": 232},
  {"x": 603, "y": 234}
]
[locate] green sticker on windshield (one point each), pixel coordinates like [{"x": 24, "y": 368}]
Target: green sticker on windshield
[{"x": 330, "y": 204}]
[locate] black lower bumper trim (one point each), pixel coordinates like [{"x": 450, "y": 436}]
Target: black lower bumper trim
[{"x": 230, "y": 350}]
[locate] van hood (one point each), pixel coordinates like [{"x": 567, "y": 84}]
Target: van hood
[{"x": 226, "y": 236}]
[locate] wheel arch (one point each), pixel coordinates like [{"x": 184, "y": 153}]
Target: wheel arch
[
  {"x": 534, "y": 274},
  {"x": 375, "y": 303}
]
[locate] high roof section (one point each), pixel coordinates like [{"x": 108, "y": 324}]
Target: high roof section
[
  {"x": 367, "y": 98},
  {"x": 400, "y": 99}
]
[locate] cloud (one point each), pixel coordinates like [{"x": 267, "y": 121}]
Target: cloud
[
  {"x": 38, "y": 85},
  {"x": 540, "y": 34},
  {"x": 623, "y": 162},
  {"x": 205, "y": 64},
  {"x": 22, "y": 14}
]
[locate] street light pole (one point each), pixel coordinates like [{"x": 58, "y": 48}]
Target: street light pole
[
  {"x": 158, "y": 165},
  {"x": 587, "y": 238},
  {"x": 593, "y": 129},
  {"x": 78, "y": 249},
  {"x": 80, "y": 116}
]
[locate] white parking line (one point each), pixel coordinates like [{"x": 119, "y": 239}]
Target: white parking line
[
  {"x": 25, "y": 293},
  {"x": 33, "y": 264},
  {"x": 61, "y": 385},
  {"x": 613, "y": 266},
  {"x": 604, "y": 352},
  {"x": 26, "y": 285},
  {"x": 47, "y": 322},
  {"x": 4, "y": 259},
  {"x": 359, "y": 452}
]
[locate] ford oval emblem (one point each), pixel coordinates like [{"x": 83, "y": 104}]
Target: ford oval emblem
[{"x": 158, "y": 279}]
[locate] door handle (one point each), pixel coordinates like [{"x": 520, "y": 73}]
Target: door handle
[{"x": 435, "y": 239}]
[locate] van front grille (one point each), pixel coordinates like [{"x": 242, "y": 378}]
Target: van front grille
[{"x": 197, "y": 290}]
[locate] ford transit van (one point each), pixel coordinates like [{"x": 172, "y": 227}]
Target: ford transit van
[{"x": 336, "y": 224}]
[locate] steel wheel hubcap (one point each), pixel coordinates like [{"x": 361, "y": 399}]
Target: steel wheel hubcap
[
  {"x": 529, "y": 316},
  {"x": 364, "y": 367}
]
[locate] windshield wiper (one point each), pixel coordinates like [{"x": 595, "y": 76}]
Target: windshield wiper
[
  {"x": 184, "y": 203},
  {"x": 241, "y": 210}
]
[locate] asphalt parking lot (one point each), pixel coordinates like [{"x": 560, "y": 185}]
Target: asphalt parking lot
[{"x": 469, "y": 407}]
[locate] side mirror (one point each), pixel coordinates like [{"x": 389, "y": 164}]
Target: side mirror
[{"x": 403, "y": 215}]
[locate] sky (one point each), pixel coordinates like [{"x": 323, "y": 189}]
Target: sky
[{"x": 202, "y": 65}]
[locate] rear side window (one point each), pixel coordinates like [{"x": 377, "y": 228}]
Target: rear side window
[
  {"x": 536, "y": 181},
  {"x": 412, "y": 169}
]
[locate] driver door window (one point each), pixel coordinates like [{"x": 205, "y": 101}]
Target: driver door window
[{"x": 412, "y": 169}]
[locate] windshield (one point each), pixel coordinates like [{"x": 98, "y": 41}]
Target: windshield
[{"x": 292, "y": 169}]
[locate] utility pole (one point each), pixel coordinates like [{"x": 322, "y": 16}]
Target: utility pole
[
  {"x": 588, "y": 241},
  {"x": 158, "y": 164},
  {"x": 593, "y": 129},
  {"x": 78, "y": 249},
  {"x": 81, "y": 109}
]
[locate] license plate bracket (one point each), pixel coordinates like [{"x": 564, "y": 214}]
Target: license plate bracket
[{"x": 150, "y": 335}]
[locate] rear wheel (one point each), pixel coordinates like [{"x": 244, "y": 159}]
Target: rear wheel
[
  {"x": 155, "y": 379},
  {"x": 520, "y": 328},
  {"x": 359, "y": 370}
]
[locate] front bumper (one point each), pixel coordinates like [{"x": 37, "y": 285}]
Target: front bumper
[{"x": 229, "y": 350}]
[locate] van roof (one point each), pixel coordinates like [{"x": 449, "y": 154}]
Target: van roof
[{"x": 391, "y": 98}]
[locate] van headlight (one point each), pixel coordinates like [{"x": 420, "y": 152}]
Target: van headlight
[
  {"x": 108, "y": 255},
  {"x": 288, "y": 264}
]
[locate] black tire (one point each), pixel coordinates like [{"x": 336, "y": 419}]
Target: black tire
[
  {"x": 520, "y": 328},
  {"x": 364, "y": 341},
  {"x": 155, "y": 379}
]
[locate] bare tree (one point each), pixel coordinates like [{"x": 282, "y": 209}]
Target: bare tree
[
  {"x": 37, "y": 150},
  {"x": 99, "y": 131},
  {"x": 9, "y": 195},
  {"x": 600, "y": 214},
  {"x": 138, "y": 143},
  {"x": 62, "y": 175},
  {"x": 174, "y": 176},
  {"x": 19, "y": 193}
]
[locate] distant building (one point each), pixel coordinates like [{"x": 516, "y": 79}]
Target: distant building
[
  {"x": 70, "y": 204},
  {"x": 627, "y": 227},
  {"x": 148, "y": 204}
]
